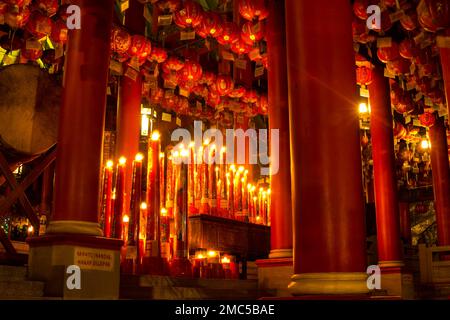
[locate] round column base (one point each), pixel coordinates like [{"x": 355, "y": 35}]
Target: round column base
[
  {"x": 280, "y": 253},
  {"x": 75, "y": 227},
  {"x": 328, "y": 283}
]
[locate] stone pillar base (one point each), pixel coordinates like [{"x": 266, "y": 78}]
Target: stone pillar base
[
  {"x": 397, "y": 282},
  {"x": 280, "y": 253},
  {"x": 98, "y": 259},
  {"x": 274, "y": 275},
  {"x": 329, "y": 283}
]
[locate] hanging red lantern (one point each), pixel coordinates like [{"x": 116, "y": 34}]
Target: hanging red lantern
[
  {"x": 238, "y": 92},
  {"x": 50, "y": 7},
  {"x": 191, "y": 71},
  {"x": 120, "y": 40},
  {"x": 409, "y": 21},
  {"x": 408, "y": 49},
  {"x": 31, "y": 54},
  {"x": 252, "y": 32},
  {"x": 229, "y": 35},
  {"x": 363, "y": 76},
  {"x": 172, "y": 64},
  {"x": 39, "y": 25},
  {"x": 200, "y": 90},
  {"x": 427, "y": 119},
  {"x": 388, "y": 3},
  {"x": 59, "y": 32},
  {"x": 210, "y": 25},
  {"x": 386, "y": 54},
  {"x": 253, "y": 9},
  {"x": 224, "y": 85},
  {"x": 386, "y": 22},
  {"x": 171, "y": 77},
  {"x": 405, "y": 104},
  {"x": 251, "y": 96},
  {"x": 399, "y": 66},
  {"x": 440, "y": 12},
  {"x": 139, "y": 47},
  {"x": 240, "y": 47},
  {"x": 213, "y": 99},
  {"x": 169, "y": 5},
  {"x": 360, "y": 9},
  {"x": 208, "y": 78},
  {"x": 19, "y": 3},
  {"x": 425, "y": 18},
  {"x": 158, "y": 55},
  {"x": 190, "y": 15}
]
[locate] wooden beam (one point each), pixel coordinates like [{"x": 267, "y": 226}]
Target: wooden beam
[{"x": 6, "y": 242}]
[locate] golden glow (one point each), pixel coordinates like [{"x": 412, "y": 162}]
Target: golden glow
[
  {"x": 143, "y": 206},
  {"x": 212, "y": 31},
  {"x": 225, "y": 260},
  {"x": 255, "y": 198},
  {"x": 161, "y": 155},
  {"x": 258, "y": 218},
  {"x": 139, "y": 157},
  {"x": 191, "y": 144},
  {"x": 425, "y": 144},
  {"x": 176, "y": 154},
  {"x": 109, "y": 164},
  {"x": 30, "y": 229},
  {"x": 217, "y": 169},
  {"x": 363, "y": 108},
  {"x": 249, "y": 187},
  {"x": 163, "y": 212},
  {"x": 200, "y": 256},
  {"x": 241, "y": 169},
  {"x": 122, "y": 161},
  {"x": 206, "y": 142},
  {"x": 223, "y": 149},
  {"x": 233, "y": 168},
  {"x": 126, "y": 219},
  {"x": 252, "y": 37},
  {"x": 269, "y": 191},
  {"x": 243, "y": 180},
  {"x": 212, "y": 253},
  {"x": 155, "y": 135},
  {"x": 226, "y": 38},
  {"x": 188, "y": 20},
  {"x": 184, "y": 153}
]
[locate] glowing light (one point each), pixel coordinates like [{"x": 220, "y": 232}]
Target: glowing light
[
  {"x": 200, "y": 256},
  {"x": 126, "y": 219},
  {"x": 212, "y": 31},
  {"x": 252, "y": 37},
  {"x": 206, "y": 142},
  {"x": 122, "y": 161},
  {"x": 191, "y": 144},
  {"x": 258, "y": 218},
  {"x": 233, "y": 168},
  {"x": 225, "y": 260},
  {"x": 188, "y": 20},
  {"x": 109, "y": 164},
  {"x": 269, "y": 191},
  {"x": 184, "y": 153},
  {"x": 363, "y": 108},
  {"x": 176, "y": 154},
  {"x": 161, "y": 155},
  {"x": 226, "y": 38},
  {"x": 249, "y": 187},
  {"x": 143, "y": 206},
  {"x": 139, "y": 157},
  {"x": 30, "y": 229},
  {"x": 155, "y": 136},
  {"x": 425, "y": 144},
  {"x": 212, "y": 253},
  {"x": 163, "y": 212},
  {"x": 241, "y": 169},
  {"x": 223, "y": 149}
]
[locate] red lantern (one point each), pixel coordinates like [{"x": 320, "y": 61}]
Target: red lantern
[
  {"x": 251, "y": 96},
  {"x": 230, "y": 33},
  {"x": 210, "y": 25},
  {"x": 409, "y": 21},
  {"x": 50, "y": 7},
  {"x": 388, "y": 3},
  {"x": 399, "y": 66},
  {"x": 425, "y": 18},
  {"x": 19, "y": 3},
  {"x": 191, "y": 71},
  {"x": 408, "y": 49},
  {"x": 213, "y": 98},
  {"x": 208, "y": 78},
  {"x": 189, "y": 16},
  {"x": 120, "y": 40},
  {"x": 240, "y": 47},
  {"x": 404, "y": 105},
  {"x": 237, "y": 93},
  {"x": 253, "y": 9},
  {"x": 386, "y": 54},
  {"x": 224, "y": 85},
  {"x": 360, "y": 9},
  {"x": 172, "y": 64},
  {"x": 169, "y": 5},
  {"x": 158, "y": 55},
  {"x": 59, "y": 32},
  {"x": 440, "y": 12},
  {"x": 39, "y": 25},
  {"x": 252, "y": 32},
  {"x": 363, "y": 76},
  {"x": 386, "y": 22},
  {"x": 427, "y": 119},
  {"x": 140, "y": 47}
]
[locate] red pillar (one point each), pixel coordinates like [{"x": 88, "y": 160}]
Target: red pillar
[
  {"x": 327, "y": 194},
  {"x": 445, "y": 64},
  {"x": 81, "y": 122},
  {"x": 129, "y": 109},
  {"x": 405, "y": 222},
  {"x": 281, "y": 213},
  {"x": 386, "y": 203},
  {"x": 441, "y": 183}
]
